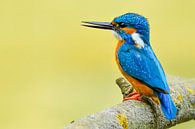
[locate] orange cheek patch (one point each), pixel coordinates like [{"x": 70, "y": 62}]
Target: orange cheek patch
[
  {"x": 114, "y": 23},
  {"x": 129, "y": 30}
]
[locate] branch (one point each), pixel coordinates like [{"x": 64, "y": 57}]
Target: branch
[{"x": 140, "y": 115}]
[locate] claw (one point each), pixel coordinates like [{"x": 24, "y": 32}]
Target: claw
[
  {"x": 133, "y": 96},
  {"x": 133, "y": 93}
]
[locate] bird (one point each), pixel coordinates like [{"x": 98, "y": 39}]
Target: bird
[{"x": 137, "y": 61}]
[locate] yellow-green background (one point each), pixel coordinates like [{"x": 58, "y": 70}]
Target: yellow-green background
[{"x": 53, "y": 71}]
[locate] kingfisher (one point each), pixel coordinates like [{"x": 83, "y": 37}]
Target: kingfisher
[{"x": 137, "y": 60}]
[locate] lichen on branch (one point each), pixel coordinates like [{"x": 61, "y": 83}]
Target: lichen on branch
[{"x": 141, "y": 115}]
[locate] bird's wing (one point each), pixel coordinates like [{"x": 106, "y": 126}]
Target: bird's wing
[{"x": 144, "y": 66}]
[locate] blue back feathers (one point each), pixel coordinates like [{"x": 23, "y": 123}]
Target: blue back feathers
[{"x": 142, "y": 64}]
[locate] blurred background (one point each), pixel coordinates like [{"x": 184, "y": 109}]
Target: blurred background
[{"x": 53, "y": 71}]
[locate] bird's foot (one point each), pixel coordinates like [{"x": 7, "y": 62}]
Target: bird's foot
[
  {"x": 127, "y": 90},
  {"x": 133, "y": 96}
]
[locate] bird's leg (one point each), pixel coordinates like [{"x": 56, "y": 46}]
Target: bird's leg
[
  {"x": 127, "y": 90},
  {"x": 133, "y": 96}
]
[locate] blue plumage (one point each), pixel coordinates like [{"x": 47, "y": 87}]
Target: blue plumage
[
  {"x": 133, "y": 20},
  {"x": 137, "y": 60},
  {"x": 167, "y": 105},
  {"x": 142, "y": 64}
]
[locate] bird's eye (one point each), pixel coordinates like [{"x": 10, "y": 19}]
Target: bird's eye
[{"x": 122, "y": 25}]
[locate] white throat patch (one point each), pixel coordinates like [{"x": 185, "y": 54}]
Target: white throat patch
[
  {"x": 138, "y": 40},
  {"x": 117, "y": 35},
  {"x": 139, "y": 43}
]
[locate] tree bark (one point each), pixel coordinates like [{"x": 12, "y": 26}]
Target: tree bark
[{"x": 143, "y": 114}]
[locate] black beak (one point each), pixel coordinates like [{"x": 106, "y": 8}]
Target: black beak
[{"x": 99, "y": 25}]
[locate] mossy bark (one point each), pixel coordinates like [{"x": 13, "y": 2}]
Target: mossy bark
[{"x": 141, "y": 115}]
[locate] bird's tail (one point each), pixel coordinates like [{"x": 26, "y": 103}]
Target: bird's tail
[{"x": 167, "y": 105}]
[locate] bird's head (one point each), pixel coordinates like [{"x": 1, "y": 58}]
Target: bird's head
[{"x": 129, "y": 27}]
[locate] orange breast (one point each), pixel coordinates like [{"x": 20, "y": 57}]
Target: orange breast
[{"x": 138, "y": 85}]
